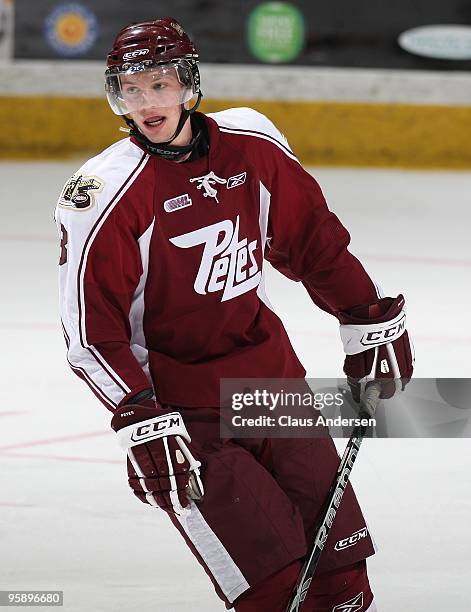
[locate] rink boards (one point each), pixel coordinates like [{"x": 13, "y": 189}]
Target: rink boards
[{"x": 331, "y": 116}]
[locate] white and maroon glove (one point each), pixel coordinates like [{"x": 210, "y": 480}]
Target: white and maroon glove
[
  {"x": 377, "y": 345},
  {"x": 162, "y": 470}
]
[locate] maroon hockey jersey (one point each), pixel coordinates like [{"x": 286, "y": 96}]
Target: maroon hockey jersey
[{"x": 161, "y": 268}]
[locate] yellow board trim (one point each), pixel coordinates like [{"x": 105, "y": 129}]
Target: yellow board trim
[{"x": 320, "y": 133}]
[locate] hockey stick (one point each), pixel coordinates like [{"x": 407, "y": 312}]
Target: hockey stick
[{"x": 368, "y": 408}]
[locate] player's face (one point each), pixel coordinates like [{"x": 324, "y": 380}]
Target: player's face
[{"x": 156, "y": 99}]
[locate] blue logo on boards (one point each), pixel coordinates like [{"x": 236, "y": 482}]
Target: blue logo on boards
[{"x": 71, "y": 29}]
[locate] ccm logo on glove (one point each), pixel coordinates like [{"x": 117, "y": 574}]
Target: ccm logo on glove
[
  {"x": 165, "y": 425},
  {"x": 377, "y": 345},
  {"x": 159, "y": 427},
  {"x": 378, "y": 336},
  {"x": 162, "y": 468}
]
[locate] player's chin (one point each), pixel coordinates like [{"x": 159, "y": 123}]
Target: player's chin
[{"x": 153, "y": 137}]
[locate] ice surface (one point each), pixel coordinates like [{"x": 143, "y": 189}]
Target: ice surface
[{"x": 67, "y": 519}]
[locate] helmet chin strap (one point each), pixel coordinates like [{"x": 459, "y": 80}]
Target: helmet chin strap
[{"x": 166, "y": 149}]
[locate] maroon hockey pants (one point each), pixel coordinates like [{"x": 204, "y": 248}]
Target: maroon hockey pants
[
  {"x": 346, "y": 588},
  {"x": 262, "y": 503}
]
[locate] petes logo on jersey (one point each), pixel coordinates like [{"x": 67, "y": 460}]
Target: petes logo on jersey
[
  {"x": 352, "y": 605},
  {"x": 228, "y": 264},
  {"x": 79, "y": 192},
  {"x": 209, "y": 181}
]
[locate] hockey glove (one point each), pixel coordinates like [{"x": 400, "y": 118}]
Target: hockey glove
[
  {"x": 377, "y": 345},
  {"x": 162, "y": 470}
]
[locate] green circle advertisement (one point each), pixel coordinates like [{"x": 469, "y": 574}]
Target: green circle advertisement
[{"x": 276, "y": 32}]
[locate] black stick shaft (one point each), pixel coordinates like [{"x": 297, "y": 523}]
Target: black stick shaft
[{"x": 334, "y": 497}]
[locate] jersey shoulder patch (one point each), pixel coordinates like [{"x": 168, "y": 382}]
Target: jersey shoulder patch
[
  {"x": 249, "y": 122},
  {"x": 96, "y": 182}
]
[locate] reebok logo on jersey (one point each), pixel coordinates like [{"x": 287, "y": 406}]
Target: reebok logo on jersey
[
  {"x": 176, "y": 203},
  {"x": 236, "y": 180},
  {"x": 352, "y": 605},
  {"x": 351, "y": 540},
  {"x": 208, "y": 182},
  {"x": 79, "y": 192},
  {"x": 228, "y": 263}
]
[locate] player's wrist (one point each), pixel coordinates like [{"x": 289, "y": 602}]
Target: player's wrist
[
  {"x": 370, "y": 325},
  {"x": 137, "y": 414},
  {"x": 140, "y": 397}
]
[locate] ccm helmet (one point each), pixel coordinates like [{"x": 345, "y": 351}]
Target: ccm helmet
[{"x": 158, "y": 48}]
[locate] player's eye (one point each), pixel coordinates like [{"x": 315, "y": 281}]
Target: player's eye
[{"x": 132, "y": 90}]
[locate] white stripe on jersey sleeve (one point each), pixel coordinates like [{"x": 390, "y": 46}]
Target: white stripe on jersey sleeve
[
  {"x": 265, "y": 197},
  {"x": 136, "y": 313},
  {"x": 249, "y": 122},
  {"x": 117, "y": 167}
]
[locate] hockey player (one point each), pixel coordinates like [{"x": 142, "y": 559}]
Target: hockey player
[{"x": 164, "y": 236}]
